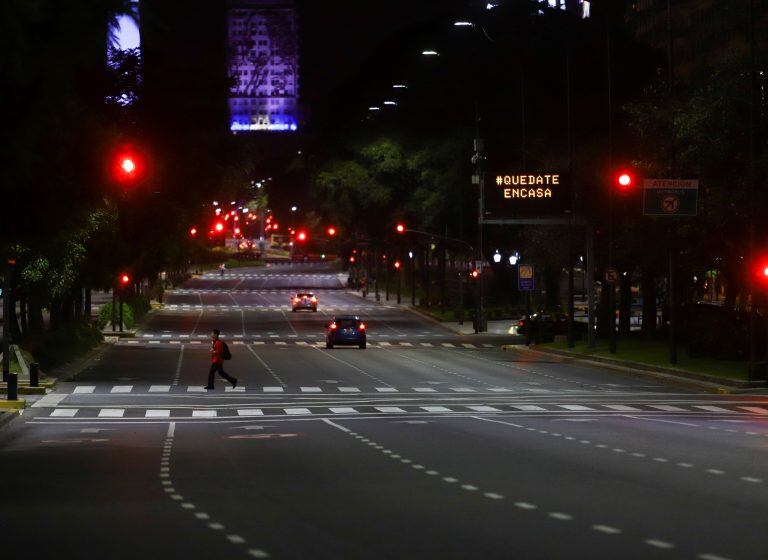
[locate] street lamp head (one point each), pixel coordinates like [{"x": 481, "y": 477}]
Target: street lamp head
[
  {"x": 430, "y": 52},
  {"x": 374, "y": 108},
  {"x": 497, "y": 257},
  {"x": 463, "y": 23},
  {"x": 294, "y": 208},
  {"x": 390, "y": 103},
  {"x": 400, "y": 86}
]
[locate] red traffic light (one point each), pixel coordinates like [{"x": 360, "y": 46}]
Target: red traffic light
[
  {"x": 397, "y": 265},
  {"x": 625, "y": 180},
  {"x": 302, "y": 236},
  {"x": 125, "y": 279},
  {"x": 331, "y": 231},
  {"x": 193, "y": 231},
  {"x": 400, "y": 228},
  {"x": 127, "y": 166},
  {"x": 475, "y": 273},
  {"x": 352, "y": 259},
  {"x": 219, "y": 227}
]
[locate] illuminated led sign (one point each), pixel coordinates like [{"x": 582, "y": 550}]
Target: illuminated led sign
[{"x": 510, "y": 195}]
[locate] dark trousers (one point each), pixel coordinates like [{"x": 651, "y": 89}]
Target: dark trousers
[{"x": 218, "y": 368}]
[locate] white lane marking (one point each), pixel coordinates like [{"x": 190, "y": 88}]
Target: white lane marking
[
  {"x": 239, "y": 389},
  {"x": 492, "y": 495},
  {"x": 560, "y": 516},
  {"x": 204, "y": 413},
  {"x": 659, "y": 544},
  {"x": 121, "y": 389},
  {"x": 177, "y": 375},
  {"x": 447, "y": 345},
  {"x": 424, "y": 390},
  {"x": 297, "y": 411},
  {"x": 427, "y": 344},
  {"x": 389, "y": 409},
  {"x": 266, "y": 366},
  {"x": 348, "y": 390},
  {"x": 273, "y": 389},
  {"x": 343, "y": 410},
  {"x": 711, "y": 557},
  {"x": 83, "y": 389},
  {"x": 171, "y": 430},
  {"x": 527, "y": 407},
  {"x": 159, "y": 388},
  {"x": 751, "y": 479},
  {"x": 607, "y": 529},
  {"x": 483, "y": 408},
  {"x": 712, "y": 408},
  {"x": 499, "y": 390},
  {"x": 621, "y": 407},
  {"x": 574, "y": 407},
  {"x": 467, "y": 345},
  {"x": 435, "y": 408},
  {"x": 667, "y": 407},
  {"x": 111, "y": 412},
  {"x": 250, "y": 412},
  {"x": 65, "y": 412},
  {"x": 525, "y": 505},
  {"x": 196, "y": 389},
  {"x": 462, "y": 389},
  {"x": 338, "y": 426},
  {"x": 310, "y": 389},
  {"x": 756, "y": 410},
  {"x": 386, "y": 390},
  {"x": 258, "y": 553},
  {"x": 715, "y": 471},
  {"x": 235, "y": 539}
]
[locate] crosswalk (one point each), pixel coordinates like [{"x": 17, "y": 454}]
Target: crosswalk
[
  {"x": 320, "y": 292},
  {"x": 192, "y": 412},
  {"x": 264, "y": 308},
  {"x": 143, "y": 389},
  {"x": 226, "y": 275},
  {"x": 293, "y": 340}
]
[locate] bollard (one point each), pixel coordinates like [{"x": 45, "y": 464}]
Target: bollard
[
  {"x": 13, "y": 386},
  {"x": 34, "y": 374}
]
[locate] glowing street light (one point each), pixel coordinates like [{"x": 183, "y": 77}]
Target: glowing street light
[
  {"x": 400, "y": 86},
  {"x": 463, "y": 24},
  {"x": 430, "y": 52},
  {"x": 374, "y": 108},
  {"x": 390, "y": 103},
  {"x": 497, "y": 257}
]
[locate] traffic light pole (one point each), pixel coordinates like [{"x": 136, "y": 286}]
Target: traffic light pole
[{"x": 7, "y": 312}]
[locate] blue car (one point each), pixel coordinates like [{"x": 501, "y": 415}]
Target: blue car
[{"x": 345, "y": 330}]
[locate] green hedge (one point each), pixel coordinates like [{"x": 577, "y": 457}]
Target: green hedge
[
  {"x": 54, "y": 348},
  {"x": 105, "y": 315}
]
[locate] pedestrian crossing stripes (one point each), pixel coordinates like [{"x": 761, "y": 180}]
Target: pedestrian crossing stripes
[
  {"x": 233, "y": 307},
  {"x": 308, "y": 389},
  {"x": 230, "y": 275},
  {"x": 274, "y": 340},
  {"x": 230, "y": 411}
]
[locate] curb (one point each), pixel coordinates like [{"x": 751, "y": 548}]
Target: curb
[
  {"x": 13, "y": 405},
  {"x": 72, "y": 369},
  {"x": 25, "y": 390},
  {"x": 668, "y": 376}
]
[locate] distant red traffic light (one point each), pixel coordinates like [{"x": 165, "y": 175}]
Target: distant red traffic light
[
  {"x": 219, "y": 227},
  {"x": 302, "y": 236},
  {"x": 193, "y": 231},
  {"x": 475, "y": 273},
  {"x": 125, "y": 279},
  {"x": 625, "y": 180},
  {"x": 127, "y": 166},
  {"x": 331, "y": 231},
  {"x": 352, "y": 259},
  {"x": 400, "y": 228},
  {"x": 397, "y": 265}
]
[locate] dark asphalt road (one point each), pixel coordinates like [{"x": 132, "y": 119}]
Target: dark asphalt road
[{"x": 425, "y": 445}]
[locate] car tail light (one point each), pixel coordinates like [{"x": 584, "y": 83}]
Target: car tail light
[
  {"x": 520, "y": 324},
  {"x": 314, "y": 299},
  {"x": 361, "y": 327},
  {"x": 333, "y": 326},
  {"x": 296, "y": 300}
]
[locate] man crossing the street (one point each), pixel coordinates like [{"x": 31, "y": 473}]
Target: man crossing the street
[{"x": 218, "y": 355}]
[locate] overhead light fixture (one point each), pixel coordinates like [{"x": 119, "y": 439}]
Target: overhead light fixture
[
  {"x": 400, "y": 86},
  {"x": 374, "y": 108},
  {"x": 390, "y": 103},
  {"x": 430, "y": 53}
]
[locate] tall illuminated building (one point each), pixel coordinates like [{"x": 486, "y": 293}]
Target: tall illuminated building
[{"x": 263, "y": 65}]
